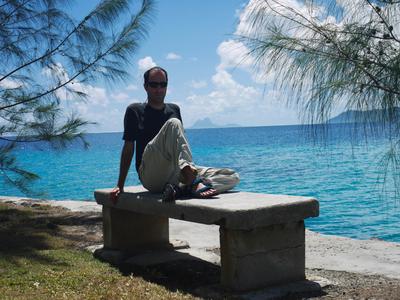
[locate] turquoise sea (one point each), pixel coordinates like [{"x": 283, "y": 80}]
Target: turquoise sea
[{"x": 337, "y": 164}]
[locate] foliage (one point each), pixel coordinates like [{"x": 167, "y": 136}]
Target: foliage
[
  {"x": 48, "y": 59},
  {"x": 334, "y": 53},
  {"x": 330, "y": 55}
]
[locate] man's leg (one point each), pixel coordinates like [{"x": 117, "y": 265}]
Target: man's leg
[
  {"x": 222, "y": 180},
  {"x": 165, "y": 157},
  {"x": 168, "y": 159}
]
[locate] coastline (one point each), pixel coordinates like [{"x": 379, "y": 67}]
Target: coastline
[{"x": 328, "y": 252}]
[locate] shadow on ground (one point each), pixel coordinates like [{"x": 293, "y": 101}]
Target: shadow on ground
[
  {"x": 189, "y": 276},
  {"x": 27, "y": 230},
  {"x": 202, "y": 279}
]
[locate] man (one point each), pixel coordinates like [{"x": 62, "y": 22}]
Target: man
[{"x": 163, "y": 157}]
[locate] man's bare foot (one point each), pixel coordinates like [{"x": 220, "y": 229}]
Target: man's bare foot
[
  {"x": 201, "y": 189},
  {"x": 198, "y": 187},
  {"x": 189, "y": 174},
  {"x": 204, "y": 191}
]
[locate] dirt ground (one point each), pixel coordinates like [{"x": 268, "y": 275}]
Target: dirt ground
[{"x": 84, "y": 229}]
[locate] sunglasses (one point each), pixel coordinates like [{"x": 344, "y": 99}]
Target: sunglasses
[{"x": 154, "y": 84}]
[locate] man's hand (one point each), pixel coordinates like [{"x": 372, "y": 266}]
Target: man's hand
[
  {"x": 126, "y": 158},
  {"x": 115, "y": 194}
]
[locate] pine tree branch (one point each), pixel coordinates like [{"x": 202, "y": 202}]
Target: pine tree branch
[
  {"x": 47, "y": 54},
  {"x": 113, "y": 47},
  {"x": 384, "y": 21},
  {"x": 3, "y": 22}
]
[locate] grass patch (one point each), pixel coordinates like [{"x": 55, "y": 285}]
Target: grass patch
[
  {"x": 71, "y": 274},
  {"x": 40, "y": 258}
]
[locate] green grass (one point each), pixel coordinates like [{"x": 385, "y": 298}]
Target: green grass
[
  {"x": 36, "y": 262},
  {"x": 71, "y": 274}
]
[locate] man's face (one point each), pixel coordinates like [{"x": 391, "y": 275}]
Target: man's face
[{"x": 156, "y": 87}]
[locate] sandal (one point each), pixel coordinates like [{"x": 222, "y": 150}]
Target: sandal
[{"x": 202, "y": 192}]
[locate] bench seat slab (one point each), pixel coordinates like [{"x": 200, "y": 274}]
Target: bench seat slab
[{"x": 240, "y": 210}]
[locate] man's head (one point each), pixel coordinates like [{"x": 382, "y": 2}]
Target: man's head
[
  {"x": 155, "y": 84},
  {"x": 146, "y": 74}
]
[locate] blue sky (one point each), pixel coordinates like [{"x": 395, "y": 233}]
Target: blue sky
[{"x": 208, "y": 75}]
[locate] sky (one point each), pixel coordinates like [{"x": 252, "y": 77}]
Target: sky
[{"x": 209, "y": 76}]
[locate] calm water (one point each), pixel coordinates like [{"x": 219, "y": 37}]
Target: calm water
[{"x": 342, "y": 170}]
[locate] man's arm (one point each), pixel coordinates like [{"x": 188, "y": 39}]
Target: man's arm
[{"x": 125, "y": 163}]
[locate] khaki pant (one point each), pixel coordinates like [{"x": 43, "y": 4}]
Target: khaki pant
[{"x": 168, "y": 153}]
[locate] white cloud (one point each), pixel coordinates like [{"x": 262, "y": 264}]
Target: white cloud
[
  {"x": 10, "y": 84},
  {"x": 97, "y": 106},
  {"x": 289, "y": 14},
  {"x": 228, "y": 95},
  {"x": 232, "y": 94},
  {"x": 110, "y": 119},
  {"x": 173, "y": 56},
  {"x": 146, "y": 63},
  {"x": 131, "y": 87},
  {"x": 96, "y": 95},
  {"x": 120, "y": 97},
  {"x": 232, "y": 102},
  {"x": 223, "y": 80},
  {"x": 56, "y": 70},
  {"x": 271, "y": 11},
  {"x": 234, "y": 54},
  {"x": 198, "y": 84}
]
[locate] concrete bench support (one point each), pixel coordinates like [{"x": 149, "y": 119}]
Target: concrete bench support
[
  {"x": 272, "y": 255},
  {"x": 130, "y": 232},
  {"x": 262, "y": 237}
]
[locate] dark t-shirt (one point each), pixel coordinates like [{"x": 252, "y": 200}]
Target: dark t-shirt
[{"x": 142, "y": 123}]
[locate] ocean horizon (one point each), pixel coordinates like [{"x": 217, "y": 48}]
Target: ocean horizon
[{"x": 338, "y": 164}]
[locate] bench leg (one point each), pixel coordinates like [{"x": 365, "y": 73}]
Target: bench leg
[
  {"x": 129, "y": 231},
  {"x": 261, "y": 257}
]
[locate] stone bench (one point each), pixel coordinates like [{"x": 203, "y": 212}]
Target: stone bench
[{"x": 262, "y": 237}]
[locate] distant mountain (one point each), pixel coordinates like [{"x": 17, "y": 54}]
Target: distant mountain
[
  {"x": 358, "y": 116},
  {"x": 207, "y": 123}
]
